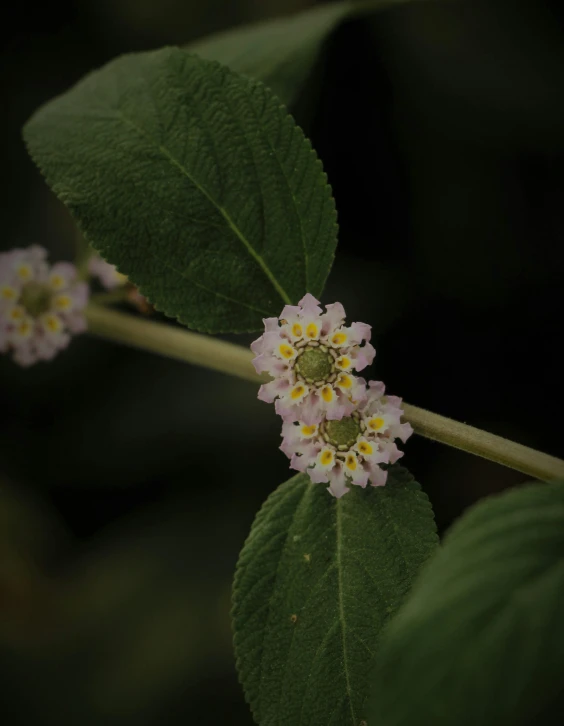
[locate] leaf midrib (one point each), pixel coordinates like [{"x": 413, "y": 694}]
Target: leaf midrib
[
  {"x": 338, "y": 505},
  {"x": 236, "y": 231}
]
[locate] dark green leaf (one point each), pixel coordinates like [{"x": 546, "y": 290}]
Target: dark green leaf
[
  {"x": 481, "y": 639},
  {"x": 195, "y": 182},
  {"x": 316, "y": 581},
  {"x": 283, "y": 52},
  {"x": 279, "y": 52}
]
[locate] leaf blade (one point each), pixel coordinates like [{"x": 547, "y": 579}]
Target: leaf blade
[
  {"x": 195, "y": 182},
  {"x": 279, "y": 52},
  {"x": 283, "y": 51},
  {"x": 312, "y": 669},
  {"x": 490, "y": 603}
]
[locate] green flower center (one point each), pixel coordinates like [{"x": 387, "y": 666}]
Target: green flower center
[
  {"x": 36, "y": 298},
  {"x": 343, "y": 433},
  {"x": 315, "y": 365}
]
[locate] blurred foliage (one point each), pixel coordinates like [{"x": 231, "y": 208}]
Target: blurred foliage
[
  {"x": 440, "y": 126},
  {"x": 490, "y": 603},
  {"x": 117, "y": 631},
  {"x": 281, "y": 52}
]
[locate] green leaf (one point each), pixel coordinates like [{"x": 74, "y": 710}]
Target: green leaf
[
  {"x": 283, "y": 52},
  {"x": 316, "y": 581},
  {"x": 195, "y": 182},
  {"x": 279, "y": 52},
  {"x": 481, "y": 639}
]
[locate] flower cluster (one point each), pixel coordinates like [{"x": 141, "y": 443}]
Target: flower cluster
[
  {"x": 40, "y": 305},
  {"x": 336, "y": 428},
  {"x": 312, "y": 356}
]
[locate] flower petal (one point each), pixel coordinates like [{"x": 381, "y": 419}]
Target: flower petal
[
  {"x": 76, "y": 322},
  {"x": 363, "y": 356},
  {"x": 337, "y": 482},
  {"x": 269, "y": 391},
  {"x": 80, "y": 292},
  {"x": 358, "y": 332},
  {"x": 25, "y": 355},
  {"x": 404, "y": 431},
  {"x": 319, "y": 476},
  {"x": 267, "y": 363},
  {"x": 310, "y": 411},
  {"x": 299, "y": 463},
  {"x": 333, "y": 318},
  {"x": 290, "y": 312},
  {"x": 338, "y": 407},
  {"x": 378, "y": 476},
  {"x": 309, "y": 306}
]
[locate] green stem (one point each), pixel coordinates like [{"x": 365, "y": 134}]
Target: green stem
[
  {"x": 172, "y": 342},
  {"x": 203, "y": 350}
]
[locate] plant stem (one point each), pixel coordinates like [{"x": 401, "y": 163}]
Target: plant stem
[
  {"x": 481, "y": 443},
  {"x": 203, "y": 350},
  {"x": 172, "y": 342}
]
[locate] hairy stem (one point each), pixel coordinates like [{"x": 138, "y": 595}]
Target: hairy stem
[
  {"x": 172, "y": 342},
  {"x": 481, "y": 443},
  {"x": 203, "y": 350}
]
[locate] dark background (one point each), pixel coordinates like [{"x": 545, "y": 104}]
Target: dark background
[{"x": 441, "y": 126}]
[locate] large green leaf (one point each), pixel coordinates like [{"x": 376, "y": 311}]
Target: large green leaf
[
  {"x": 316, "y": 581},
  {"x": 279, "y": 52},
  {"x": 195, "y": 182},
  {"x": 481, "y": 639}
]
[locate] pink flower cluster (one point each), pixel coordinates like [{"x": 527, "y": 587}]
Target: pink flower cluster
[
  {"x": 40, "y": 305},
  {"x": 336, "y": 428}
]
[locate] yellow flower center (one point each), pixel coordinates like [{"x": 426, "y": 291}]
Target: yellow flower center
[
  {"x": 326, "y": 457},
  {"x": 309, "y": 430},
  {"x": 17, "y": 313},
  {"x": 351, "y": 462},
  {"x": 344, "y": 381},
  {"x": 24, "y": 272},
  {"x": 24, "y": 328},
  {"x": 52, "y": 323},
  {"x": 297, "y": 392},
  {"x": 339, "y": 338},
  {"x": 365, "y": 448},
  {"x": 8, "y": 293},
  {"x": 62, "y": 302},
  {"x": 376, "y": 423},
  {"x": 297, "y": 330},
  {"x": 327, "y": 394},
  {"x": 57, "y": 281},
  {"x": 312, "y": 331},
  {"x": 286, "y": 351}
]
